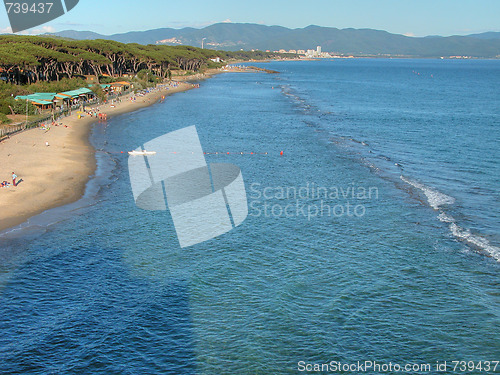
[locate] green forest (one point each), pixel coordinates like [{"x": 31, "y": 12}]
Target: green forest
[
  {"x": 31, "y": 59},
  {"x": 31, "y": 64}
]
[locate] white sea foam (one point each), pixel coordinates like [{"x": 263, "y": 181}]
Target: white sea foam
[
  {"x": 434, "y": 197},
  {"x": 479, "y": 242},
  {"x": 445, "y": 218},
  {"x": 437, "y": 199}
]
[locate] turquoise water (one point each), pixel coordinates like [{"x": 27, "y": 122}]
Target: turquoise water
[{"x": 407, "y": 272}]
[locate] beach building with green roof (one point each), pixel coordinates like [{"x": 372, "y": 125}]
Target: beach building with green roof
[{"x": 45, "y": 100}]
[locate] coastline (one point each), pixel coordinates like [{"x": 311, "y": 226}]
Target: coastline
[{"x": 56, "y": 175}]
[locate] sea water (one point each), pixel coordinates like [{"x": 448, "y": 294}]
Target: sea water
[{"x": 374, "y": 237}]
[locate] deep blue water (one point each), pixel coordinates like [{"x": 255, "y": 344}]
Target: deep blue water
[{"x": 412, "y": 276}]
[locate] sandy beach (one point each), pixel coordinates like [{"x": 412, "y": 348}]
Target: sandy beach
[{"x": 55, "y": 175}]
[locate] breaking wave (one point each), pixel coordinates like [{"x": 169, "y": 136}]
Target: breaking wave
[{"x": 437, "y": 200}]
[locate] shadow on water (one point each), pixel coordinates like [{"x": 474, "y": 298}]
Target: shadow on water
[{"x": 89, "y": 314}]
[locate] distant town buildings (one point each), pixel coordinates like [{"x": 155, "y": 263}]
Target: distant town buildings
[
  {"x": 310, "y": 53},
  {"x": 317, "y": 53},
  {"x": 169, "y": 41},
  {"x": 313, "y": 53}
]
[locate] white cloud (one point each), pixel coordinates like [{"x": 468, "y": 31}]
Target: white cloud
[
  {"x": 42, "y": 30},
  {"x": 197, "y": 25},
  {"x": 409, "y": 34}
]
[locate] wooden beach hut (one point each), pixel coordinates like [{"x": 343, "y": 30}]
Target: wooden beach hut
[
  {"x": 75, "y": 96},
  {"x": 46, "y": 100},
  {"x": 43, "y": 100},
  {"x": 120, "y": 86}
]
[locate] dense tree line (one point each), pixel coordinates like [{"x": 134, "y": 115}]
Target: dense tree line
[{"x": 31, "y": 59}]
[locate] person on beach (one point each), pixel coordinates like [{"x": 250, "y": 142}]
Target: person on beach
[{"x": 14, "y": 176}]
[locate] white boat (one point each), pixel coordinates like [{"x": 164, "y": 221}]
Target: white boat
[{"x": 143, "y": 152}]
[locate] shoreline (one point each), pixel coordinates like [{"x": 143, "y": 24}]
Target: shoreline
[{"x": 56, "y": 175}]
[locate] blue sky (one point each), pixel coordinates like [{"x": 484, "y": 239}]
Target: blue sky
[{"x": 410, "y": 17}]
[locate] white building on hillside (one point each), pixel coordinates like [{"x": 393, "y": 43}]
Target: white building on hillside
[{"x": 317, "y": 53}]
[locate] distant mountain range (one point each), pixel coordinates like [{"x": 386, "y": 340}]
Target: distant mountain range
[{"x": 236, "y": 36}]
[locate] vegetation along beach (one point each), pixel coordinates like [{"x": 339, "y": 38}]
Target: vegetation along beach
[{"x": 54, "y": 158}]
